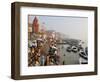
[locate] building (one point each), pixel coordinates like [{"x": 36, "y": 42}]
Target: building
[
  {"x": 29, "y": 32},
  {"x": 35, "y": 25}
]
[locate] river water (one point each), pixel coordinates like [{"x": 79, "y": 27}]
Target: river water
[{"x": 67, "y": 58}]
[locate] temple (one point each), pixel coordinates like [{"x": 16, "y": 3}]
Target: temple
[{"x": 35, "y": 26}]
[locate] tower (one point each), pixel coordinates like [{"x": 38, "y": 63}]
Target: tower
[{"x": 35, "y": 25}]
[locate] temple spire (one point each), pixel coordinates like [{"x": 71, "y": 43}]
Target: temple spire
[{"x": 35, "y": 25}]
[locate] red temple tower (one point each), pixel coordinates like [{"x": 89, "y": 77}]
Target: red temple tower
[{"x": 35, "y": 25}]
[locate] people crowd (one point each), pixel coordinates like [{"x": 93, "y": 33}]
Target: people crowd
[{"x": 43, "y": 53}]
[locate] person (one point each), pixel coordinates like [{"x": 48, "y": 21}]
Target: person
[
  {"x": 36, "y": 57},
  {"x": 31, "y": 56},
  {"x": 48, "y": 60},
  {"x": 52, "y": 62},
  {"x": 37, "y": 63},
  {"x": 42, "y": 60}
]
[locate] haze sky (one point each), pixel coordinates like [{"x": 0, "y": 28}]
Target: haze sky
[{"x": 74, "y": 27}]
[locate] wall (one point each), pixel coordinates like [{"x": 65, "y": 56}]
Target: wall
[{"x": 5, "y": 39}]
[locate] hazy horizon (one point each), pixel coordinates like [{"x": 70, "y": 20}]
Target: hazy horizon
[{"x": 74, "y": 27}]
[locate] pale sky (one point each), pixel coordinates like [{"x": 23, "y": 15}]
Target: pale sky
[{"x": 74, "y": 27}]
